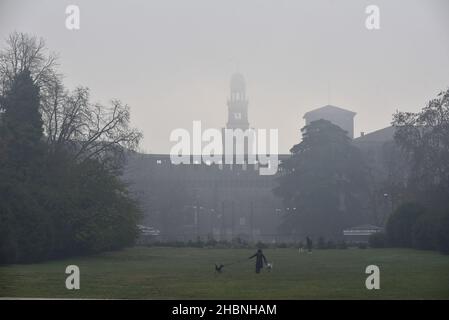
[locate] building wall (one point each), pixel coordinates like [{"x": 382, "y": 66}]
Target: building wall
[{"x": 236, "y": 201}]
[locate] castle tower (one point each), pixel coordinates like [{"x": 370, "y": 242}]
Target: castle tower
[
  {"x": 237, "y": 104},
  {"x": 238, "y": 118}
]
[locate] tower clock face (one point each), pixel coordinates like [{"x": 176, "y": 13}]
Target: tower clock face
[{"x": 237, "y": 115}]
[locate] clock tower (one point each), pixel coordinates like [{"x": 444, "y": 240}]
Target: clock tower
[
  {"x": 237, "y": 104},
  {"x": 238, "y": 120}
]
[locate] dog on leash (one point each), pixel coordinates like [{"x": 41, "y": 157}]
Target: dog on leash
[{"x": 269, "y": 266}]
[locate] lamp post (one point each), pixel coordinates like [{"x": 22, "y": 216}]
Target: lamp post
[
  {"x": 196, "y": 218},
  {"x": 252, "y": 221},
  {"x": 232, "y": 221},
  {"x": 211, "y": 220},
  {"x": 389, "y": 198}
]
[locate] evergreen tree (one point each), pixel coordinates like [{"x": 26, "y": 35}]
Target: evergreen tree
[
  {"x": 22, "y": 124},
  {"x": 322, "y": 183},
  {"x": 23, "y": 220}
]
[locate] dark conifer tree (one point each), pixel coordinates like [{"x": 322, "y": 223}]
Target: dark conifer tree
[
  {"x": 323, "y": 183},
  {"x": 24, "y": 234},
  {"x": 22, "y": 123}
]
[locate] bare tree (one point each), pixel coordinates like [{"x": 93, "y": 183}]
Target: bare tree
[
  {"x": 25, "y": 52},
  {"x": 90, "y": 131},
  {"x": 424, "y": 136},
  {"x": 71, "y": 122}
]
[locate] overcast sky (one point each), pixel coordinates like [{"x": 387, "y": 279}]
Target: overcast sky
[{"x": 171, "y": 61}]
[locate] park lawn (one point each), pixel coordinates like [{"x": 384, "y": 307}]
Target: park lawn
[{"x": 188, "y": 273}]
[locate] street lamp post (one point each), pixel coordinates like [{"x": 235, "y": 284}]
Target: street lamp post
[{"x": 252, "y": 221}]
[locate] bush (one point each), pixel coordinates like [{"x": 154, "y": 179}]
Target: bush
[
  {"x": 239, "y": 243},
  {"x": 400, "y": 224},
  {"x": 321, "y": 243},
  {"x": 261, "y": 245},
  {"x": 198, "y": 243},
  {"x": 378, "y": 240},
  {"x": 331, "y": 245},
  {"x": 424, "y": 232},
  {"x": 211, "y": 242},
  {"x": 342, "y": 245}
]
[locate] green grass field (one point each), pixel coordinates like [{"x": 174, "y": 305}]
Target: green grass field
[{"x": 188, "y": 273}]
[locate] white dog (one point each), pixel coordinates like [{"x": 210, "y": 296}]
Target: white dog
[{"x": 269, "y": 266}]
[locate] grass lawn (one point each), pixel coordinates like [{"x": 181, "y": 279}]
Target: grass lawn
[{"x": 188, "y": 273}]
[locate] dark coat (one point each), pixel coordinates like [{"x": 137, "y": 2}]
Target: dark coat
[{"x": 260, "y": 260}]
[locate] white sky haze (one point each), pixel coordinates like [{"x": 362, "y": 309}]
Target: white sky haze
[{"x": 172, "y": 60}]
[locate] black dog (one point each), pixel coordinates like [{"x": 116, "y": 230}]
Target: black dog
[{"x": 218, "y": 269}]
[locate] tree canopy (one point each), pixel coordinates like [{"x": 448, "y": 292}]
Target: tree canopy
[
  {"x": 322, "y": 182},
  {"x": 424, "y": 137},
  {"x": 60, "y": 159}
]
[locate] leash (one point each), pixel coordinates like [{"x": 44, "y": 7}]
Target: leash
[
  {"x": 222, "y": 265},
  {"x": 235, "y": 262}
]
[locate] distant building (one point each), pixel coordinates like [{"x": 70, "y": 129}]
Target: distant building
[
  {"x": 228, "y": 200},
  {"x": 338, "y": 116},
  {"x": 235, "y": 201},
  {"x": 388, "y": 171},
  {"x": 378, "y": 136},
  {"x": 374, "y": 148}
]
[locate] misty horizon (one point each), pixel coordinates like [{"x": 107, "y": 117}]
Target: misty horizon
[{"x": 161, "y": 60}]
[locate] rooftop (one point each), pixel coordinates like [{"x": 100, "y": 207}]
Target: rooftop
[
  {"x": 329, "y": 109},
  {"x": 381, "y": 135}
]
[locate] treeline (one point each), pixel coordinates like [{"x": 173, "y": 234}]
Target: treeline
[
  {"x": 422, "y": 219},
  {"x": 328, "y": 186},
  {"x": 60, "y": 161},
  {"x": 412, "y": 225}
]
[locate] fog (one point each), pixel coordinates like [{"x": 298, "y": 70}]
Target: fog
[
  {"x": 171, "y": 61},
  {"x": 197, "y": 149}
]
